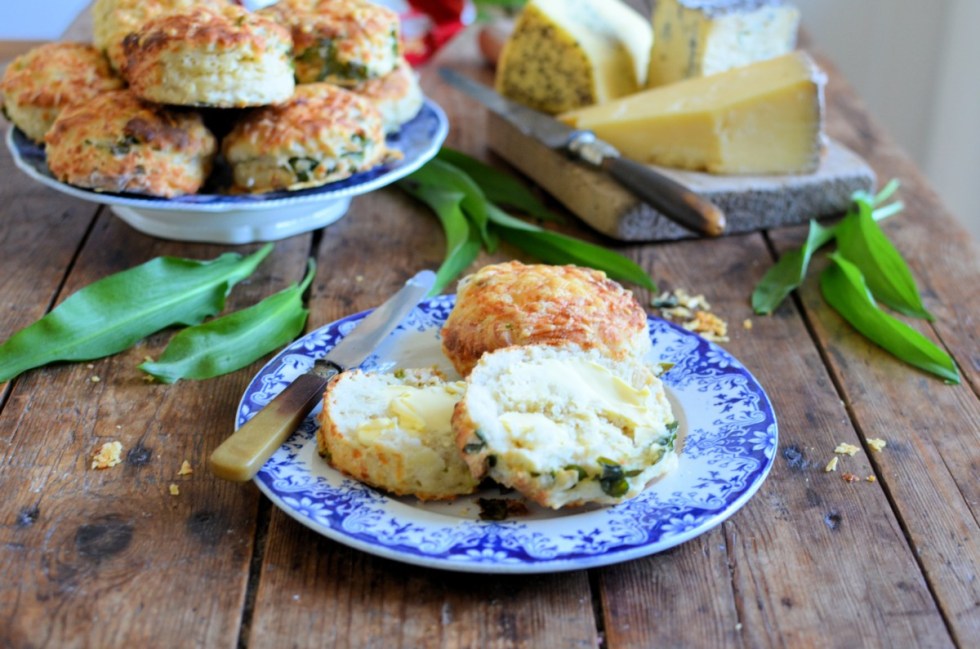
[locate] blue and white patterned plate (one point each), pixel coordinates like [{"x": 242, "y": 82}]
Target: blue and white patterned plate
[
  {"x": 729, "y": 442},
  {"x": 225, "y": 218}
]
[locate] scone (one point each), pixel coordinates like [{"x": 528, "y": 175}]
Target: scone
[
  {"x": 565, "y": 426},
  {"x": 344, "y": 42},
  {"x": 226, "y": 58},
  {"x": 516, "y": 304},
  {"x": 37, "y": 85},
  {"x": 116, "y": 142},
  {"x": 393, "y": 431},
  {"x": 324, "y": 133},
  {"x": 397, "y": 95},
  {"x": 114, "y": 20}
]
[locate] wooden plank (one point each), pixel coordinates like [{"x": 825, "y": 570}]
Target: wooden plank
[
  {"x": 810, "y": 560},
  {"x": 929, "y": 468},
  {"x": 111, "y": 558}
]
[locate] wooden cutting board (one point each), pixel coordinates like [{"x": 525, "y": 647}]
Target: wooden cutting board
[{"x": 749, "y": 202}]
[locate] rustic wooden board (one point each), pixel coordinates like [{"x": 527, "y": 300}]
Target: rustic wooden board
[
  {"x": 750, "y": 202},
  {"x": 110, "y": 558}
]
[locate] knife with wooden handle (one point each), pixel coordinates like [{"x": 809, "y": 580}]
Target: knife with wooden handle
[
  {"x": 240, "y": 456},
  {"x": 673, "y": 200}
]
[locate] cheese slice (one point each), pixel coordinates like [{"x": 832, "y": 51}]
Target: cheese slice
[
  {"x": 764, "y": 118},
  {"x": 701, "y": 37},
  {"x": 564, "y": 54}
]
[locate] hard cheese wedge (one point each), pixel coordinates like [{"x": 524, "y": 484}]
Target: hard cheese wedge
[
  {"x": 701, "y": 37},
  {"x": 764, "y": 118},
  {"x": 564, "y": 54}
]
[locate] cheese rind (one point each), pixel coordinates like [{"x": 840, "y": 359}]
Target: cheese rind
[
  {"x": 764, "y": 118},
  {"x": 564, "y": 54},
  {"x": 701, "y": 37}
]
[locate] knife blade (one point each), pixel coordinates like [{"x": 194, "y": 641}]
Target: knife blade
[
  {"x": 669, "y": 197},
  {"x": 240, "y": 456}
]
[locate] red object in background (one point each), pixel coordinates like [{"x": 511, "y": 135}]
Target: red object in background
[{"x": 431, "y": 23}]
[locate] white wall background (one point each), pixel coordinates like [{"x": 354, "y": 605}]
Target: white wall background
[{"x": 917, "y": 64}]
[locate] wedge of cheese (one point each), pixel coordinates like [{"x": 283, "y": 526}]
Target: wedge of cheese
[
  {"x": 764, "y": 118},
  {"x": 700, "y": 37},
  {"x": 564, "y": 54}
]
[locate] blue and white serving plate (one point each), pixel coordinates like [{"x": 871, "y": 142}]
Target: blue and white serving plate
[
  {"x": 238, "y": 219},
  {"x": 729, "y": 442}
]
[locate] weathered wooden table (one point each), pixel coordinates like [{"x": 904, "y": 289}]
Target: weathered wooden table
[{"x": 111, "y": 559}]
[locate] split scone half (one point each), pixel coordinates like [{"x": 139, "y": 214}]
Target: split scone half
[
  {"x": 565, "y": 426},
  {"x": 394, "y": 432}
]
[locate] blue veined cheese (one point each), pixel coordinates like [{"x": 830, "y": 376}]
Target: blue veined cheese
[
  {"x": 762, "y": 118},
  {"x": 564, "y": 54},
  {"x": 701, "y": 37}
]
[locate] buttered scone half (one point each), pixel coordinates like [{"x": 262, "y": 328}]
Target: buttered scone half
[
  {"x": 37, "y": 85},
  {"x": 516, "y": 304},
  {"x": 394, "y": 432},
  {"x": 324, "y": 133},
  {"x": 344, "y": 42},
  {"x": 565, "y": 426},
  {"x": 114, "y": 20},
  {"x": 397, "y": 95},
  {"x": 224, "y": 57},
  {"x": 116, "y": 142}
]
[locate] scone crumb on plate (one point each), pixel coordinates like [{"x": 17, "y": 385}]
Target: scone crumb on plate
[
  {"x": 174, "y": 490},
  {"x": 877, "y": 444},
  {"x": 832, "y": 465},
  {"x": 185, "y": 468},
  {"x": 846, "y": 449},
  {"x": 108, "y": 455}
]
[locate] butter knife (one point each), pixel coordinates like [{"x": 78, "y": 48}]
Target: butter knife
[
  {"x": 241, "y": 456},
  {"x": 669, "y": 197}
]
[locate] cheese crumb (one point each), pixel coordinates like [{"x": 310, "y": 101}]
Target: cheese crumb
[
  {"x": 871, "y": 478},
  {"x": 108, "y": 455},
  {"x": 185, "y": 468},
  {"x": 174, "y": 490},
  {"x": 876, "y": 444},
  {"x": 747, "y": 323},
  {"x": 831, "y": 466},
  {"x": 846, "y": 449}
]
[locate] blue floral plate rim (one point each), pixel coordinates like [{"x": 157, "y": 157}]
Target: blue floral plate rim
[{"x": 730, "y": 445}]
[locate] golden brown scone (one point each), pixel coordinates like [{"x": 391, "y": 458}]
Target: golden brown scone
[
  {"x": 118, "y": 143},
  {"x": 324, "y": 133},
  {"x": 344, "y": 42},
  {"x": 114, "y": 20},
  {"x": 397, "y": 95},
  {"x": 37, "y": 85},
  {"x": 516, "y": 304},
  {"x": 565, "y": 426},
  {"x": 225, "y": 57},
  {"x": 393, "y": 431}
]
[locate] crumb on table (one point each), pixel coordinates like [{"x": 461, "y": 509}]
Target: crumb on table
[
  {"x": 876, "y": 444},
  {"x": 108, "y": 455},
  {"x": 846, "y": 449},
  {"x": 832, "y": 465},
  {"x": 174, "y": 490},
  {"x": 185, "y": 468}
]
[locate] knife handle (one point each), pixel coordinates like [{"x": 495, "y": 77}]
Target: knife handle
[
  {"x": 241, "y": 456},
  {"x": 672, "y": 199}
]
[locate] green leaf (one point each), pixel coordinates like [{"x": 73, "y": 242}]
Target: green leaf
[
  {"x": 462, "y": 241},
  {"x": 845, "y": 290},
  {"x": 236, "y": 340},
  {"x": 112, "y": 314},
  {"x": 788, "y": 273},
  {"x": 554, "y": 248},
  {"x": 861, "y": 241},
  {"x": 497, "y": 186},
  {"x": 444, "y": 176}
]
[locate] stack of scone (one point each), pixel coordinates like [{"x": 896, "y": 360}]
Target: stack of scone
[
  {"x": 558, "y": 401},
  {"x": 323, "y": 82}
]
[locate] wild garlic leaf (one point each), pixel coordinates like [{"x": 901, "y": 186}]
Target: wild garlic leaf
[
  {"x": 845, "y": 290},
  {"x": 236, "y": 340},
  {"x": 113, "y": 313},
  {"x": 462, "y": 241},
  {"x": 442, "y": 175},
  {"x": 789, "y": 272},
  {"x": 861, "y": 241},
  {"x": 499, "y": 187},
  {"x": 554, "y": 248}
]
